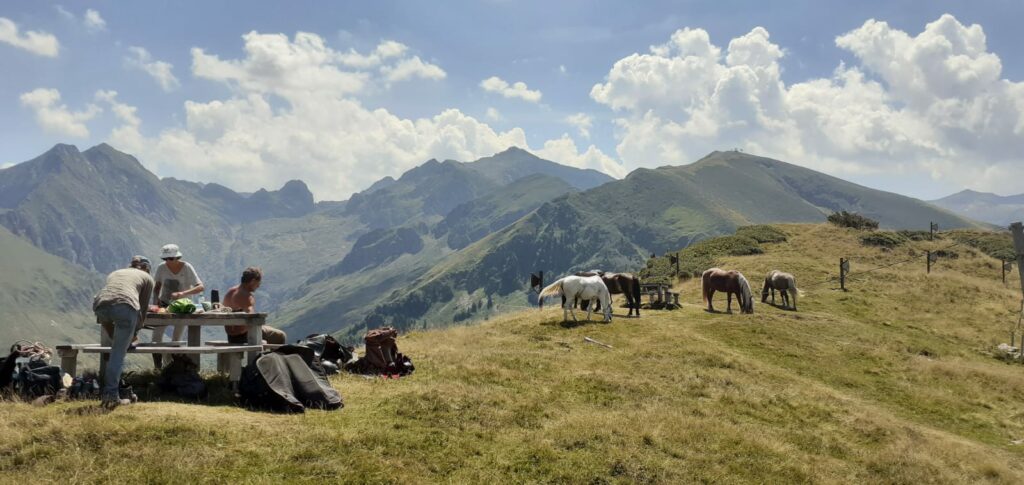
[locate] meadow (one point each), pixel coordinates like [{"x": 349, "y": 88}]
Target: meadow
[{"x": 895, "y": 381}]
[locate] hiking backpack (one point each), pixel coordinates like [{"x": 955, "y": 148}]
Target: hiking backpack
[
  {"x": 382, "y": 356},
  {"x": 288, "y": 379}
]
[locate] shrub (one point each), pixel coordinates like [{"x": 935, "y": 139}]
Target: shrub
[
  {"x": 762, "y": 233},
  {"x": 883, "y": 239},
  {"x": 918, "y": 235},
  {"x": 852, "y": 220},
  {"x": 998, "y": 245},
  {"x": 697, "y": 257}
]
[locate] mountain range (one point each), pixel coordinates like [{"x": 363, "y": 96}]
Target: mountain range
[
  {"x": 447, "y": 241},
  {"x": 982, "y": 206}
]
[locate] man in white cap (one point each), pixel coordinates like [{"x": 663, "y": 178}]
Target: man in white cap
[
  {"x": 121, "y": 308},
  {"x": 174, "y": 279}
]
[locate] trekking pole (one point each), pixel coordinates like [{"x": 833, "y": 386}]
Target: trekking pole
[{"x": 588, "y": 339}]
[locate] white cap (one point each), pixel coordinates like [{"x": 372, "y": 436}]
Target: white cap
[{"x": 170, "y": 251}]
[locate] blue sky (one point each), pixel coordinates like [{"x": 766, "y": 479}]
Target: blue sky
[{"x": 197, "y": 101}]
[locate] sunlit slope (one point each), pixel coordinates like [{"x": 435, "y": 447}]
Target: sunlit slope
[{"x": 890, "y": 382}]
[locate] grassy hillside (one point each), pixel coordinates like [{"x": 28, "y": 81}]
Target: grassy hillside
[
  {"x": 43, "y": 297},
  {"x": 891, "y": 382}
]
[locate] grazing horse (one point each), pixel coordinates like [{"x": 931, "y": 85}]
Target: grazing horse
[
  {"x": 785, "y": 283},
  {"x": 731, "y": 282},
  {"x": 579, "y": 288},
  {"x": 626, "y": 284}
]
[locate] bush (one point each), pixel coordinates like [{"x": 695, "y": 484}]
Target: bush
[
  {"x": 883, "y": 239},
  {"x": 697, "y": 257},
  {"x": 918, "y": 235},
  {"x": 998, "y": 245},
  {"x": 852, "y": 220},
  {"x": 762, "y": 233}
]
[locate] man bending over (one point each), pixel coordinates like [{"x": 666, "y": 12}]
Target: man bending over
[{"x": 240, "y": 299}]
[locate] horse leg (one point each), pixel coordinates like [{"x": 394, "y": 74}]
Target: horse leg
[
  {"x": 728, "y": 305},
  {"x": 711, "y": 295},
  {"x": 773, "y": 296}
]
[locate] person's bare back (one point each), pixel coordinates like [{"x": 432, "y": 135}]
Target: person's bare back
[{"x": 239, "y": 299}]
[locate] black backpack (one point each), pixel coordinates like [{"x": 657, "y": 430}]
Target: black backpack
[
  {"x": 182, "y": 378},
  {"x": 329, "y": 351},
  {"x": 37, "y": 378},
  {"x": 289, "y": 379}
]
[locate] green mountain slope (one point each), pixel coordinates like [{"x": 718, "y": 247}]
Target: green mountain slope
[
  {"x": 43, "y": 297},
  {"x": 471, "y": 221},
  {"x": 617, "y": 225},
  {"x": 432, "y": 190}
]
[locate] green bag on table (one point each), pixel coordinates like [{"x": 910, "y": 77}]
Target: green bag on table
[{"x": 181, "y": 306}]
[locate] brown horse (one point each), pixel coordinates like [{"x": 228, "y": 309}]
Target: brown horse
[
  {"x": 731, "y": 282},
  {"x": 626, "y": 284}
]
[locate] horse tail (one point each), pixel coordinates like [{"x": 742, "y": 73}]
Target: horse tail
[
  {"x": 554, "y": 289},
  {"x": 705, "y": 284}
]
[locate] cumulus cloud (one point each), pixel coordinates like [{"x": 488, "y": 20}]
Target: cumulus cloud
[
  {"x": 935, "y": 103},
  {"x": 412, "y": 68},
  {"x": 162, "y": 72},
  {"x": 495, "y": 84},
  {"x": 56, "y": 118},
  {"x": 37, "y": 42},
  {"x": 295, "y": 113},
  {"x": 563, "y": 150},
  {"x": 493, "y": 114},
  {"x": 582, "y": 122},
  {"x": 93, "y": 21}
]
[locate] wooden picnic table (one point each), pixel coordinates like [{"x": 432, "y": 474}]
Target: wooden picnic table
[{"x": 196, "y": 321}]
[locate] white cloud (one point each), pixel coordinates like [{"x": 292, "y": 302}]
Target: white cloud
[
  {"x": 562, "y": 70},
  {"x": 932, "y": 103},
  {"x": 493, "y": 114},
  {"x": 93, "y": 21},
  {"x": 412, "y": 68},
  {"x": 64, "y": 12},
  {"x": 495, "y": 84},
  {"x": 37, "y": 42},
  {"x": 320, "y": 132},
  {"x": 563, "y": 150},
  {"x": 582, "y": 122},
  {"x": 161, "y": 71},
  {"x": 57, "y": 118}
]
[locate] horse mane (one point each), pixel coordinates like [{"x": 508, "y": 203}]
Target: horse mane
[{"x": 748, "y": 300}]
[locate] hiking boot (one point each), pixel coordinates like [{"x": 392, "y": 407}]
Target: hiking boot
[{"x": 110, "y": 404}]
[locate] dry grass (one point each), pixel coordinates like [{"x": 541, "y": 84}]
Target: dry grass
[{"x": 889, "y": 382}]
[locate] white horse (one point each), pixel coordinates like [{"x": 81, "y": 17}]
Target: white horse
[
  {"x": 579, "y": 288},
  {"x": 785, "y": 283}
]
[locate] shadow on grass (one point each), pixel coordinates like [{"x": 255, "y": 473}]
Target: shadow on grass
[{"x": 573, "y": 324}]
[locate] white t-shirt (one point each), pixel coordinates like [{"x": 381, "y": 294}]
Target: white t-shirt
[{"x": 169, "y": 282}]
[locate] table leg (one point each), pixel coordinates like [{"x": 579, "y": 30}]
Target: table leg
[
  {"x": 69, "y": 361},
  {"x": 255, "y": 335},
  {"x": 195, "y": 339}
]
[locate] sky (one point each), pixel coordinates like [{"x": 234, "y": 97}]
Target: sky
[{"x": 920, "y": 98}]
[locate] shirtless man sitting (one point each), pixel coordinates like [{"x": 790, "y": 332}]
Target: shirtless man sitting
[{"x": 240, "y": 299}]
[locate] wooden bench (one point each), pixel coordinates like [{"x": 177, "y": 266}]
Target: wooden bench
[
  {"x": 232, "y": 354},
  {"x": 223, "y": 365}
]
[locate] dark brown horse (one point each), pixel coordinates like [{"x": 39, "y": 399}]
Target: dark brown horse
[
  {"x": 731, "y": 282},
  {"x": 626, "y": 284}
]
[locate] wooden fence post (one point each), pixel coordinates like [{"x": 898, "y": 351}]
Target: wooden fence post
[
  {"x": 929, "y": 262},
  {"x": 844, "y": 265},
  {"x": 1018, "y": 244}
]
